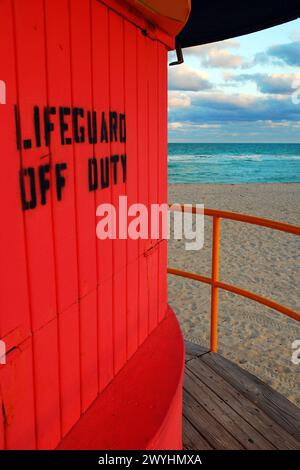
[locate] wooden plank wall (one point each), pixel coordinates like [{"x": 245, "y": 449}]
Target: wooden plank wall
[{"x": 74, "y": 309}]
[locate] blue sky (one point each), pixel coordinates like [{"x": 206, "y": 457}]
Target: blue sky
[{"x": 245, "y": 89}]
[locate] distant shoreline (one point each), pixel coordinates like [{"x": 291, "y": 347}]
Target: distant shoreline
[
  {"x": 234, "y": 184},
  {"x": 233, "y": 163},
  {"x": 237, "y": 143}
]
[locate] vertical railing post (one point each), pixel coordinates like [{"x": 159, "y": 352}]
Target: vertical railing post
[{"x": 214, "y": 288}]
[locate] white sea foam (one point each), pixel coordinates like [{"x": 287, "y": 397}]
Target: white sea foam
[{"x": 220, "y": 157}]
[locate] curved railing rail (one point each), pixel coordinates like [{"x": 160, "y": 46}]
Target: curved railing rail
[{"x": 214, "y": 282}]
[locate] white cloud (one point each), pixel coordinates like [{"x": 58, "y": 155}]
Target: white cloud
[
  {"x": 217, "y": 55},
  {"x": 191, "y": 126},
  {"x": 223, "y": 59},
  {"x": 207, "y": 48},
  {"x": 179, "y": 100},
  {"x": 286, "y": 124},
  {"x": 222, "y": 99},
  {"x": 183, "y": 77},
  {"x": 272, "y": 84},
  {"x": 175, "y": 125}
]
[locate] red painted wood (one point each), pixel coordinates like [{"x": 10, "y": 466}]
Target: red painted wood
[
  {"x": 2, "y": 423},
  {"x": 162, "y": 170},
  {"x": 116, "y": 70},
  {"x": 153, "y": 111},
  {"x": 77, "y": 309},
  {"x": 132, "y": 307},
  {"x": 18, "y": 399},
  {"x": 105, "y": 334},
  {"x": 32, "y": 90},
  {"x": 14, "y": 304},
  {"x": 59, "y": 93},
  {"x": 101, "y": 94},
  {"x": 142, "y": 90},
  {"x": 130, "y": 85},
  {"x": 169, "y": 436},
  {"x": 64, "y": 222},
  {"x": 88, "y": 349},
  {"x": 80, "y": 22},
  {"x": 47, "y": 390},
  {"x": 153, "y": 418},
  {"x": 130, "y": 14},
  {"x": 69, "y": 366}
]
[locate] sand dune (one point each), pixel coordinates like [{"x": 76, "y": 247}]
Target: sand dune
[{"x": 259, "y": 259}]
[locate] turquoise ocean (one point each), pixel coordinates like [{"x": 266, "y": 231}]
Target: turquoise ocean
[{"x": 233, "y": 163}]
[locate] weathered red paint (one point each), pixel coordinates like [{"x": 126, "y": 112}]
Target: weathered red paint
[
  {"x": 14, "y": 302},
  {"x": 64, "y": 220},
  {"x": 84, "y": 319},
  {"x": 131, "y": 102},
  {"x": 18, "y": 399}
]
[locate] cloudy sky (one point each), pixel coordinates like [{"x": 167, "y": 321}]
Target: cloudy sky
[{"x": 245, "y": 89}]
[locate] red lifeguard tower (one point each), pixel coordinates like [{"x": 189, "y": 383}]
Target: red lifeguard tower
[
  {"x": 88, "y": 334},
  {"x": 94, "y": 355}
]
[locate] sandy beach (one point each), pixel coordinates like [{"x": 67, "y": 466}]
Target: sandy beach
[{"x": 258, "y": 259}]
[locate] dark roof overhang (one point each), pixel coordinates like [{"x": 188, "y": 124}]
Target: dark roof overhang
[{"x": 216, "y": 20}]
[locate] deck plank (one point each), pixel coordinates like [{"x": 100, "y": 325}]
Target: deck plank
[
  {"x": 192, "y": 438},
  {"x": 225, "y": 407},
  {"x": 239, "y": 428},
  {"x": 246, "y": 410},
  {"x": 207, "y": 425},
  {"x": 193, "y": 350},
  {"x": 279, "y": 408}
]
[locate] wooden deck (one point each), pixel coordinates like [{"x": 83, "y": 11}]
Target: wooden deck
[{"x": 225, "y": 407}]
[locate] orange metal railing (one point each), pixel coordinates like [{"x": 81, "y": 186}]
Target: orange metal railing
[{"x": 214, "y": 282}]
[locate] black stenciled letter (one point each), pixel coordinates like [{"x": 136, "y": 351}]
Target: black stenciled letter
[
  {"x": 49, "y": 127},
  {"x": 64, "y": 127},
  {"x": 60, "y": 179},
  {"x": 114, "y": 160},
  {"x": 122, "y": 128},
  {"x": 79, "y": 134},
  {"x": 92, "y": 127},
  {"x": 44, "y": 182},
  {"x": 113, "y": 124},
  {"x": 104, "y": 172},
  {"x": 18, "y": 126},
  {"x": 93, "y": 174},
  {"x": 124, "y": 166},
  {"x": 31, "y": 204},
  {"x": 104, "y": 132},
  {"x": 37, "y": 125}
]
